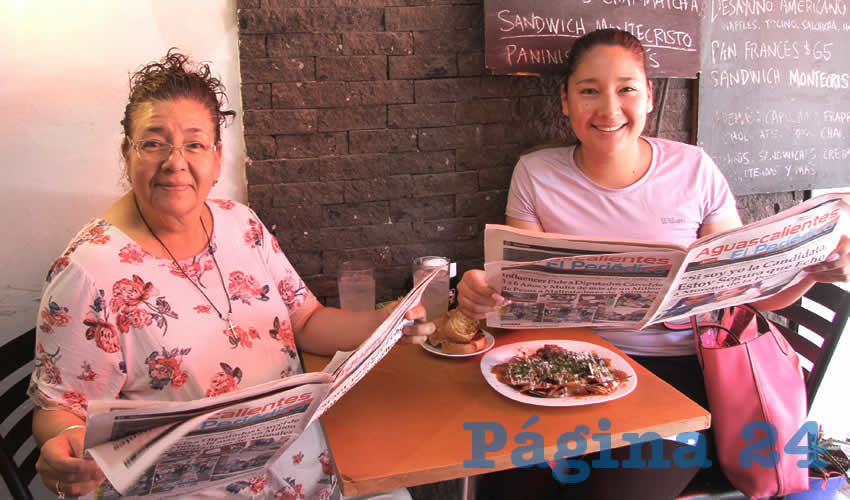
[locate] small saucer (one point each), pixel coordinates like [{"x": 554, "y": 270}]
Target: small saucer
[{"x": 489, "y": 342}]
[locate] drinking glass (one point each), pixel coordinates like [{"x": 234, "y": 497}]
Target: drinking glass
[
  {"x": 356, "y": 281},
  {"x": 435, "y": 298}
]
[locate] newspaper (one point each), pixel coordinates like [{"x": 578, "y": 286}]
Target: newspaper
[
  {"x": 561, "y": 280},
  {"x": 174, "y": 448}
]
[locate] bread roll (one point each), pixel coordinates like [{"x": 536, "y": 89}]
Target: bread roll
[
  {"x": 457, "y": 333},
  {"x": 477, "y": 343},
  {"x": 460, "y": 327}
]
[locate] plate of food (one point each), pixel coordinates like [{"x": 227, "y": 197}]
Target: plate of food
[
  {"x": 458, "y": 336},
  {"x": 558, "y": 373}
]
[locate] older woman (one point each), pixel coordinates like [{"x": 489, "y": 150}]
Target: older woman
[{"x": 171, "y": 296}]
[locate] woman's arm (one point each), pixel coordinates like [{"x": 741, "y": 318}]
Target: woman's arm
[
  {"x": 72, "y": 309},
  {"x": 47, "y": 424},
  {"x": 778, "y": 301},
  {"x": 523, "y": 224},
  {"x": 730, "y": 222},
  {"x": 61, "y": 465},
  {"x": 328, "y": 329},
  {"x": 835, "y": 269},
  {"x": 475, "y": 297}
]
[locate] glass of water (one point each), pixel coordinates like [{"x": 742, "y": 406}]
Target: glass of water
[
  {"x": 356, "y": 279},
  {"x": 435, "y": 299}
]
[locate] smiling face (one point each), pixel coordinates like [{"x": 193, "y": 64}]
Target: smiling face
[
  {"x": 607, "y": 99},
  {"x": 173, "y": 186}
]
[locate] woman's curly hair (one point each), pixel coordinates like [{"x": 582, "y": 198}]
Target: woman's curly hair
[{"x": 174, "y": 78}]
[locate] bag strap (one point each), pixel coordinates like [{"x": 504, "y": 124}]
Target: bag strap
[
  {"x": 764, "y": 326},
  {"x": 697, "y": 340},
  {"x": 695, "y": 325},
  {"x": 769, "y": 327}
]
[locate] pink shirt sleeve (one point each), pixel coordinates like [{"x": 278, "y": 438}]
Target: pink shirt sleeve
[
  {"x": 78, "y": 350},
  {"x": 521, "y": 199},
  {"x": 300, "y": 301},
  {"x": 718, "y": 200}
]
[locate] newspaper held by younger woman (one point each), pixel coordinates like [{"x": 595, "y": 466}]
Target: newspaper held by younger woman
[{"x": 560, "y": 280}]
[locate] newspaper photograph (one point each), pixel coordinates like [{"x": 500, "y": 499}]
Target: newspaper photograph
[
  {"x": 556, "y": 280},
  {"x": 155, "y": 448},
  {"x": 585, "y": 290},
  {"x": 205, "y": 449}
]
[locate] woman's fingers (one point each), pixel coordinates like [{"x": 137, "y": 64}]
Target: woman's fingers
[
  {"x": 475, "y": 297},
  {"x": 474, "y": 282},
  {"x": 70, "y": 489},
  {"x": 416, "y": 312},
  {"x": 74, "y": 484},
  {"x": 57, "y": 461},
  {"x": 475, "y": 310},
  {"x": 420, "y": 329},
  {"x": 836, "y": 267},
  {"x": 412, "y": 339}
]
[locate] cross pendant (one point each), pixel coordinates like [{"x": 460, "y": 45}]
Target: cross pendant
[{"x": 230, "y": 325}]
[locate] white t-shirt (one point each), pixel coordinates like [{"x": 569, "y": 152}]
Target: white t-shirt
[{"x": 682, "y": 190}]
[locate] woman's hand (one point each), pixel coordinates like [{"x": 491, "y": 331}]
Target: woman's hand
[
  {"x": 420, "y": 329},
  {"x": 836, "y": 267},
  {"x": 62, "y": 467},
  {"x": 475, "y": 297}
]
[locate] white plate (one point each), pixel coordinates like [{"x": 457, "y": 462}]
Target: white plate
[
  {"x": 489, "y": 342},
  {"x": 503, "y": 353}
]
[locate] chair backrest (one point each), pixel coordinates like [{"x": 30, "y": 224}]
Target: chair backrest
[
  {"x": 16, "y": 416},
  {"x": 836, "y": 302}
]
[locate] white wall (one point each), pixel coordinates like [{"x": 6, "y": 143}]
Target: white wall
[
  {"x": 63, "y": 92},
  {"x": 830, "y": 406},
  {"x": 65, "y": 71}
]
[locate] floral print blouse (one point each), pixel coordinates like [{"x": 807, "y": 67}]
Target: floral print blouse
[{"x": 118, "y": 322}]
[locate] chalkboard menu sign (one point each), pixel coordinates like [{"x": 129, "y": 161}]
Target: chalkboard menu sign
[
  {"x": 774, "y": 93},
  {"x": 535, "y": 36}
]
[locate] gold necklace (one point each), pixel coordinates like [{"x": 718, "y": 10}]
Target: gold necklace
[{"x": 223, "y": 317}]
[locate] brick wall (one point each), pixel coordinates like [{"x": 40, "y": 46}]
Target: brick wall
[{"x": 374, "y": 131}]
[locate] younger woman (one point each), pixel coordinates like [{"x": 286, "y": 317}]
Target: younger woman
[{"x": 615, "y": 183}]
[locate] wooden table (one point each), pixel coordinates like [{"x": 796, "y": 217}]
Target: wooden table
[{"x": 402, "y": 425}]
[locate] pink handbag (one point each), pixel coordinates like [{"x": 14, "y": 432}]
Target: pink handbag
[{"x": 754, "y": 385}]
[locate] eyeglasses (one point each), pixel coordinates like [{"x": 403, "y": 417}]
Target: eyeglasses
[{"x": 153, "y": 150}]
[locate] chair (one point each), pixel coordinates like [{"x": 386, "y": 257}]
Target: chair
[
  {"x": 16, "y": 416},
  {"x": 816, "y": 350}
]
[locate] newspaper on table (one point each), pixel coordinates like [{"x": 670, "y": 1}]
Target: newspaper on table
[
  {"x": 561, "y": 280},
  {"x": 155, "y": 448}
]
